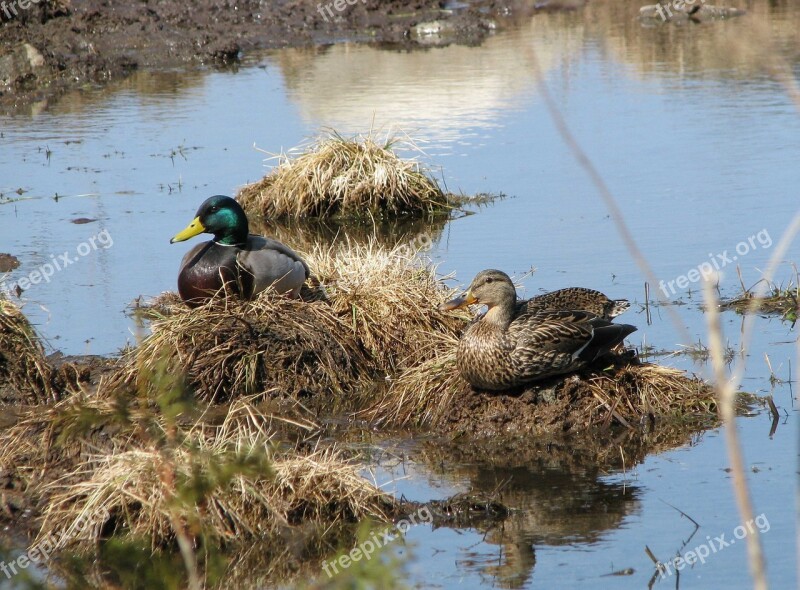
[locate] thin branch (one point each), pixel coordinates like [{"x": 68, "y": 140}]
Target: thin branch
[{"x": 726, "y": 392}]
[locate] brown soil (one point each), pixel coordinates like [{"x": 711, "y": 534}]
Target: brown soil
[{"x": 54, "y": 45}]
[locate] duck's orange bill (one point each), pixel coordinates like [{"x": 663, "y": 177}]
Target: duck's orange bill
[{"x": 466, "y": 299}]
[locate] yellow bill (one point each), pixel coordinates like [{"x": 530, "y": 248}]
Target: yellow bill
[{"x": 193, "y": 229}]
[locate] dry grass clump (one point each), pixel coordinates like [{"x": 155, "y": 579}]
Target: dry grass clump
[
  {"x": 627, "y": 393},
  {"x": 784, "y": 302},
  {"x": 229, "y": 348},
  {"x": 388, "y": 300},
  {"x": 231, "y": 482},
  {"x": 41, "y": 443},
  {"x": 337, "y": 176},
  {"x": 622, "y": 393},
  {"x": 23, "y": 366},
  {"x": 423, "y": 394}
]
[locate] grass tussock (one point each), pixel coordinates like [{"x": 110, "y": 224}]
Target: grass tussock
[
  {"x": 423, "y": 394},
  {"x": 388, "y": 300},
  {"x": 231, "y": 348},
  {"x": 23, "y": 367},
  {"x": 228, "y": 482},
  {"x": 784, "y": 302},
  {"x": 350, "y": 177}
]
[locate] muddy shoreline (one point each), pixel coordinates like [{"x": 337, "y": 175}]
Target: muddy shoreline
[{"x": 56, "y": 45}]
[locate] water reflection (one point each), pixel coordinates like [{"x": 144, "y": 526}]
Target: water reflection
[
  {"x": 445, "y": 92},
  {"x": 308, "y": 235},
  {"x": 739, "y": 48},
  {"x": 450, "y": 92},
  {"x": 560, "y": 492}
]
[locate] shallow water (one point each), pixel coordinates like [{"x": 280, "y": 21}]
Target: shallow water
[{"x": 698, "y": 145}]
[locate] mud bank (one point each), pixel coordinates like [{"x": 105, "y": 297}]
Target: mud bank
[{"x": 53, "y": 45}]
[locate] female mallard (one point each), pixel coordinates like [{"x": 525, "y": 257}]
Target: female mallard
[
  {"x": 512, "y": 345},
  {"x": 243, "y": 263}
]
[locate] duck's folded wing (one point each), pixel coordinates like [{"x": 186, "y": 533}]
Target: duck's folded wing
[
  {"x": 551, "y": 342},
  {"x": 268, "y": 262}
]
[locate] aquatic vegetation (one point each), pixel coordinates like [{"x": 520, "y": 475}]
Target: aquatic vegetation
[
  {"x": 782, "y": 301},
  {"x": 170, "y": 471},
  {"x": 231, "y": 348},
  {"x": 352, "y": 177},
  {"x": 224, "y": 484},
  {"x": 389, "y": 299}
]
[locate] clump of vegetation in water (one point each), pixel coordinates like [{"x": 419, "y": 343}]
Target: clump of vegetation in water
[
  {"x": 781, "y": 301},
  {"x": 358, "y": 177},
  {"x": 164, "y": 469}
]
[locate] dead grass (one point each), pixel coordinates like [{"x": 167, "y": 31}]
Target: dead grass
[
  {"x": 352, "y": 177},
  {"x": 23, "y": 366},
  {"x": 781, "y": 301},
  {"x": 229, "y": 482},
  {"x": 231, "y": 348},
  {"x": 388, "y": 299}
]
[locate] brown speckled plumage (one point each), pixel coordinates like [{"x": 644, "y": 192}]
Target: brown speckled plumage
[
  {"x": 516, "y": 343},
  {"x": 577, "y": 298}
]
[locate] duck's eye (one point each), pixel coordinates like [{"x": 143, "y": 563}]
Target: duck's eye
[
  {"x": 490, "y": 280},
  {"x": 213, "y": 209}
]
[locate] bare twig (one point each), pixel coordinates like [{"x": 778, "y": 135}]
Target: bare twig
[{"x": 726, "y": 390}]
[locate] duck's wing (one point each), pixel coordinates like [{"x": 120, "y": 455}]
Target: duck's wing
[
  {"x": 576, "y": 298},
  {"x": 269, "y": 262},
  {"x": 554, "y": 342}
]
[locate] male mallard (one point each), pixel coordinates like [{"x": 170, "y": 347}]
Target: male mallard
[
  {"x": 245, "y": 264},
  {"x": 512, "y": 345}
]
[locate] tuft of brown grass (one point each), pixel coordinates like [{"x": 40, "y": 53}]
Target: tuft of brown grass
[
  {"x": 229, "y": 348},
  {"x": 23, "y": 366},
  {"x": 627, "y": 394},
  {"x": 424, "y": 393},
  {"x": 351, "y": 177},
  {"x": 784, "y": 302},
  {"x": 388, "y": 300},
  {"x": 231, "y": 482}
]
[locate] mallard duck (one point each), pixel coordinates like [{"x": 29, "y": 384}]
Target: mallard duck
[
  {"x": 512, "y": 345},
  {"x": 244, "y": 263}
]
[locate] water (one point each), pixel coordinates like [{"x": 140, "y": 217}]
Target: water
[{"x": 698, "y": 145}]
